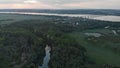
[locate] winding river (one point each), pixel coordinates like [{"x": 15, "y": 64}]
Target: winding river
[
  {"x": 89, "y": 16},
  {"x": 46, "y": 58}
]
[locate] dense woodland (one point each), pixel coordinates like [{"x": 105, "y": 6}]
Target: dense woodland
[{"x": 22, "y": 43}]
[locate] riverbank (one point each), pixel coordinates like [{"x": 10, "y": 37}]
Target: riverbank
[{"x": 88, "y": 16}]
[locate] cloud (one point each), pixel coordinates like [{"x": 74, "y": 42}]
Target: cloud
[
  {"x": 53, "y": 2},
  {"x": 61, "y": 4},
  {"x": 27, "y": 5},
  {"x": 30, "y": 1},
  {"x": 10, "y": 1},
  {"x": 97, "y": 4}
]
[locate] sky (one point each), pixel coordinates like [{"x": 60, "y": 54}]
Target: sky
[{"x": 59, "y": 4}]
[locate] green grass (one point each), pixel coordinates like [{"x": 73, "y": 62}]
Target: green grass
[
  {"x": 103, "y": 56},
  {"x": 102, "y": 31},
  {"x": 98, "y": 54}
]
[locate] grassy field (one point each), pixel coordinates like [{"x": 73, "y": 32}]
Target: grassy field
[{"x": 98, "y": 53}]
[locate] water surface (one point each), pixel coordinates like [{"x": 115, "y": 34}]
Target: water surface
[
  {"x": 46, "y": 58},
  {"x": 89, "y": 16}
]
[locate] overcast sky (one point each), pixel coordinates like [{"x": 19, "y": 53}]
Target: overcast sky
[{"x": 59, "y": 4}]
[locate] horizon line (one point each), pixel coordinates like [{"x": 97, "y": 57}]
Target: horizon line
[{"x": 56, "y": 9}]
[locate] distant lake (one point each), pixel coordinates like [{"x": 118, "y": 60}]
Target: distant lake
[{"x": 89, "y": 16}]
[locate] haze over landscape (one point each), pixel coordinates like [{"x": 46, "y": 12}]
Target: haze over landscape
[
  {"x": 59, "y": 4},
  {"x": 59, "y": 34}
]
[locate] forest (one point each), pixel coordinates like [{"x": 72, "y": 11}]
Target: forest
[{"x": 23, "y": 39}]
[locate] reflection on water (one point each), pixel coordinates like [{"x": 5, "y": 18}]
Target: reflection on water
[
  {"x": 108, "y": 18},
  {"x": 46, "y": 58},
  {"x": 90, "y": 16},
  {"x": 93, "y": 34}
]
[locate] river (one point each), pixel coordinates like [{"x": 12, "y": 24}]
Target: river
[
  {"x": 46, "y": 58},
  {"x": 89, "y": 16}
]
